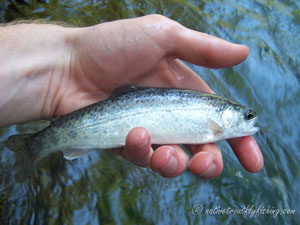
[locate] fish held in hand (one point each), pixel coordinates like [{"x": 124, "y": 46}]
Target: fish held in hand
[{"x": 172, "y": 116}]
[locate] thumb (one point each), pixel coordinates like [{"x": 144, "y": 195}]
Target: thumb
[{"x": 205, "y": 50}]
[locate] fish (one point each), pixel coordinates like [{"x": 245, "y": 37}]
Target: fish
[{"x": 171, "y": 115}]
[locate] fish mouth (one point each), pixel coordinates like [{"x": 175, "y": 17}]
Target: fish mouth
[
  {"x": 253, "y": 121},
  {"x": 250, "y": 131},
  {"x": 251, "y": 128},
  {"x": 247, "y": 131}
]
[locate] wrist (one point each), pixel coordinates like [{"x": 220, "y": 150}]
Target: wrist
[{"x": 34, "y": 58}]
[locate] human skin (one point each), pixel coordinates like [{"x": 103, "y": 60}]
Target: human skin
[{"x": 49, "y": 70}]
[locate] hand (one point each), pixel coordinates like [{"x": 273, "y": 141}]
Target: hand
[{"x": 144, "y": 52}]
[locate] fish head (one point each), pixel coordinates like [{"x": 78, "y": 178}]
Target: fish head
[{"x": 239, "y": 121}]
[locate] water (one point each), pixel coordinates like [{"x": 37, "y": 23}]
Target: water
[{"x": 103, "y": 189}]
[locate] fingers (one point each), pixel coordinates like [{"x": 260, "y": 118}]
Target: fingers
[
  {"x": 207, "y": 160},
  {"x": 248, "y": 153},
  {"x": 138, "y": 147},
  {"x": 205, "y": 50},
  {"x": 169, "y": 161}
]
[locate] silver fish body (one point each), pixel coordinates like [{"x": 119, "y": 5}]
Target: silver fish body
[{"x": 172, "y": 116}]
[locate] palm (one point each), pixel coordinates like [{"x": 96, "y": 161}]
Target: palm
[{"x": 126, "y": 52}]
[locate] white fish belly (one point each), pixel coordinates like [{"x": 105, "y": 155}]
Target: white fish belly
[{"x": 176, "y": 127}]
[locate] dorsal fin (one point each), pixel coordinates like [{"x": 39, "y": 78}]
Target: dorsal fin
[{"x": 125, "y": 90}]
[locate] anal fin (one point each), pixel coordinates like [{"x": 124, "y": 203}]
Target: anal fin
[{"x": 74, "y": 153}]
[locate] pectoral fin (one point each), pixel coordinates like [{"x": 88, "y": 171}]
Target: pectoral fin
[
  {"x": 214, "y": 127},
  {"x": 74, "y": 153}
]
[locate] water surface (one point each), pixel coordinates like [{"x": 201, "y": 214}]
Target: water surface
[{"x": 102, "y": 189}]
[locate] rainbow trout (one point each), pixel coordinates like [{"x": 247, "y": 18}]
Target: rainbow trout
[{"x": 172, "y": 116}]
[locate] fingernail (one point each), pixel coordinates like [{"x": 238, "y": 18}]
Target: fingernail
[
  {"x": 143, "y": 143},
  {"x": 170, "y": 168},
  {"x": 257, "y": 158},
  {"x": 210, "y": 171}
]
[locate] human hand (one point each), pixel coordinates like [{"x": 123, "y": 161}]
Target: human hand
[{"x": 144, "y": 52}]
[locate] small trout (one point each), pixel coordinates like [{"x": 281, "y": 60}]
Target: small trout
[{"x": 172, "y": 116}]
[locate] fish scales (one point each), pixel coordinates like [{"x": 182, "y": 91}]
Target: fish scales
[{"x": 172, "y": 116}]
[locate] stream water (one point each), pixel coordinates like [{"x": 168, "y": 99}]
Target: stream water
[{"x": 102, "y": 189}]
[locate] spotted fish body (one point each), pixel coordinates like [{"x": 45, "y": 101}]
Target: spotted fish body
[{"x": 172, "y": 116}]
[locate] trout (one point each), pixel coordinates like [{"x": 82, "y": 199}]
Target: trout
[{"x": 172, "y": 116}]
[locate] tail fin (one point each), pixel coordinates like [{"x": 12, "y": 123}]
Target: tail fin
[
  {"x": 17, "y": 143},
  {"x": 24, "y": 158}
]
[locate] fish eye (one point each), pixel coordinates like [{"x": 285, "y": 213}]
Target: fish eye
[{"x": 249, "y": 114}]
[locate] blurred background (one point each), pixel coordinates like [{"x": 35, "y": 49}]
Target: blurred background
[{"x": 102, "y": 189}]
